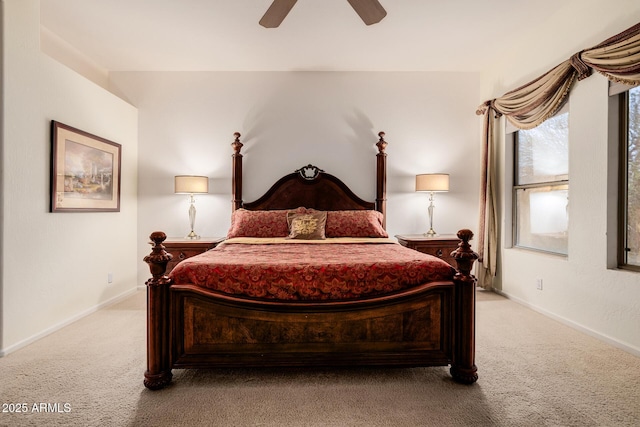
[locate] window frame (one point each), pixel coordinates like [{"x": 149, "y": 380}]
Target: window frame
[
  {"x": 515, "y": 187},
  {"x": 623, "y": 184}
]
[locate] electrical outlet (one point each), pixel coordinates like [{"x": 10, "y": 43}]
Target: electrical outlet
[
  {"x": 109, "y": 277},
  {"x": 539, "y": 284}
]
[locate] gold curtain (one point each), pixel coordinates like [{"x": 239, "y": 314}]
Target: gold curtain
[
  {"x": 617, "y": 58},
  {"x": 488, "y": 214}
]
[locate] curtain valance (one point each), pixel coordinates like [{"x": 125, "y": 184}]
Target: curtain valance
[{"x": 618, "y": 58}]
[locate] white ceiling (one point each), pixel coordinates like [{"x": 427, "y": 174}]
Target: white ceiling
[{"x": 224, "y": 35}]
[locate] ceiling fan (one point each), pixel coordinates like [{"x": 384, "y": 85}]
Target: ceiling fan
[{"x": 371, "y": 11}]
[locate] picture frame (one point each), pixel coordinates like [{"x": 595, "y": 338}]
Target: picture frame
[{"x": 85, "y": 171}]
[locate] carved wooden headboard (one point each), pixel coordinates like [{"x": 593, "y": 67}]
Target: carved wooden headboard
[{"x": 311, "y": 187}]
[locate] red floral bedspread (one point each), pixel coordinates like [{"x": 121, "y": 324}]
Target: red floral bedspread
[{"x": 330, "y": 271}]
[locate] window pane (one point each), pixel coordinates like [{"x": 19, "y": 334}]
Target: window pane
[
  {"x": 542, "y": 218},
  {"x": 633, "y": 180},
  {"x": 543, "y": 152}
]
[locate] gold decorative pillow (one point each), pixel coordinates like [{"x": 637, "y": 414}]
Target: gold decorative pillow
[{"x": 307, "y": 226}]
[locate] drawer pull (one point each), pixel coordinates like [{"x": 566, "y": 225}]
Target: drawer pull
[
  {"x": 439, "y": 253},
  {"x": 182, "y": 256}
]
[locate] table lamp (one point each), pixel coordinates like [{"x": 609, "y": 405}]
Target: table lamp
[
  {"x": 432, "y": 183},
  {"x": 189, "y": 184}
]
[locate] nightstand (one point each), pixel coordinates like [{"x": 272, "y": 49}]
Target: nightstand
[
  {"x": 439, "y": 246},
  {"x": 182, "y": 249}
]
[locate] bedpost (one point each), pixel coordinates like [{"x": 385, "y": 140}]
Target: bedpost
[
  {"x": 158, "y": 372},
  {"x": 236, "y": 177},
  {"x": 381, "y": 179},
  {"x": 463, "y": 367}
]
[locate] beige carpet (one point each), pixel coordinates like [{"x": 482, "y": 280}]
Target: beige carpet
[{"x": 533, "y": 372}]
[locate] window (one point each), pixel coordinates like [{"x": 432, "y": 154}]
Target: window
[
  {"x": 629, "y": 193},
  {"x": 541, "y": 186}
]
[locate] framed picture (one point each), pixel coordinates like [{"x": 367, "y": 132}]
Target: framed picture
[{"x": 85, "y": 171}]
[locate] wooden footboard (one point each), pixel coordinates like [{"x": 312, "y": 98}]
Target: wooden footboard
[
  {"x": 403, "y": 330},
  {"x": 429, "y": 325}
]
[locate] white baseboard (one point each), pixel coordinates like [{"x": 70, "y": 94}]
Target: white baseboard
[
  {"x": 52, "y": 329},
  {"x": 602, "y": 337}
]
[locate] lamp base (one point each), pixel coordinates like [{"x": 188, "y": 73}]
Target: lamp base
[
  {"x": 192, "y": 236},
  {"x": 431, "y": 233}
]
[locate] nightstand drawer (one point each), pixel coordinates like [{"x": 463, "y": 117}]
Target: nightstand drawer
[
  {"x": 180, "y": 254},
  {"x": 439, "y": 246},
  {"x": 182, "y": 249}
]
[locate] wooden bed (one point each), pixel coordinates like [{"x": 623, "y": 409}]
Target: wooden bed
[{"x": 431, "y": 324}]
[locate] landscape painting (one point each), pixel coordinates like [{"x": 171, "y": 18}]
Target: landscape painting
[{"x": 85, "y": 171}]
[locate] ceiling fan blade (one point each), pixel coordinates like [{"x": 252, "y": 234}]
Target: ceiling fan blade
[
  {"x": 371, "y": 11},
  {"x": 276, "y": 13}
]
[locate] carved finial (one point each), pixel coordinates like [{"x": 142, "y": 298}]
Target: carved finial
[
  {"x": 464, "y": 255},
  {"x": 158, "y": 237},
  {"x": 382, "y": 144},
  {"x": 465, "y": 235},
  {"x": 158, "y": 259},
  {"x": 236, "y": 144}
]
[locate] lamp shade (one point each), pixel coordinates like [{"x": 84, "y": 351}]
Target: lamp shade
[
  {"x": 190, "y": 184},
  {"x": 433, "y": 182}
]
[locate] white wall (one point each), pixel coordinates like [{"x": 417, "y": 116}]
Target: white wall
[
  {"x": 55, "y": 266},
  {"x": 53, "y": 45},
  {"x": 291, "y": 119},
  {"x": 579, "y": 290}
]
